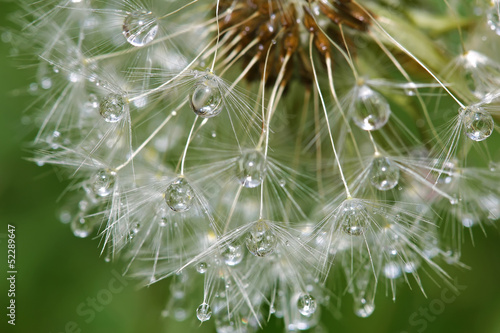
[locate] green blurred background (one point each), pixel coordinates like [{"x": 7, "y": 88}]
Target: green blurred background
[{"x": 57, "y": 272}]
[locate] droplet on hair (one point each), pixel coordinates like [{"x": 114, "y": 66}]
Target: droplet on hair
[
  {"x": 206, "y": 97},
  {"x": 384, "y": 173},
  {"x": 371, "y": 110},
  {"x": 113, "y": 107},
  {"x": 261, "y": 240},
  {"x": 478, "y": 123},
  {"x": 140, "y": 27},
  {"x": 179, "y": 195},
  {"x": 306, "y": 305},
  {"x": 103, "y": 182},
  {"x": 251, "y": 168},
  {"x": 203, "y": 312}
]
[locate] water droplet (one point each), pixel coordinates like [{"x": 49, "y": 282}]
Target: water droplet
[
  {"x": 206, "y": 97},
  {"x": 82, "y": 227},
  {"x": 363, "y": 308},
  {"x": 306, "y": 305},
  {"x": 354, "y": 214},
  {"x": 202, "y": 267},
  {"x": 103, "y": 182},
  {"x": 251, "y": 168},
  {"x": 113, "y": 107},
  {"x": 261, "y": 240},
  {"x": 371, "y": 110},
  {"x": 493, "y": 17},
  {"x": 477, "y": 122},
  {"x": 392, "y": 270},
  {"x": 140, "y": 27},
  {"x": 232, "y": 254},
  {"x": 410, "y": 89},
  {"x": 384, "y": 173},
  {"x": 203, "y": 312},
  {"x": 179, "y": 195}
]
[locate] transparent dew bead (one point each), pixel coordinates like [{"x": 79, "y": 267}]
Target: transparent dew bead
[
  {"x": 179, "y": 195},
  {"x": 261, "y": 240},
  {"x": 206, "y": 97},
  {"x": 232, "y": 254},
  {"x": 306, "y": 305},
  {"x": 113, "y": 107},
  {"x": 478, "y": 123},
  {"x": 493, "y": 17},
  {"x": 392, "y": 270},
  {"x": 82, "y": 227},
  {"x": 371, "y": 110},
  {"x": 354, "y": 214},
  {"x": 203, "y": 312},
  {"x": 363, "y": 308},
  {"x": 202, "y": 267},
  {"x": 251, "y": 168},
  {"x": 140, "y": 27},
  {"x": 384, "y": 173},
  {"x": 103, "y": 182}
]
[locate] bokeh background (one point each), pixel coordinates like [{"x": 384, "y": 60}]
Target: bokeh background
[{"x": 57, "y": 272}]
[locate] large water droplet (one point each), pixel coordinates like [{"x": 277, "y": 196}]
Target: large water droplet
[
  {"x": 384, "y": 173},
  {"x": 140, "y": 27},
  {"x": 371, "y": 110},
  {"x": 113, "y": 107},
  {"x": 232, "y": 254},
  {"x": 478, "y": 123},
  {"x": 179, "y": 195},
  {"x": 251, "y": 168},
  {"x": 261, "y": 240},
  {"x": 82, "y": 227},
  {"x": 203, "y": 312},
  {"x": 363, "y": 308},
  {"x": 493, "y": 16},
  {"x": 103, "y": 182},
  {"x": 306, "y": 305},
  {"x": 206, "y": 97},
  {"x": 354, "y": 218}
]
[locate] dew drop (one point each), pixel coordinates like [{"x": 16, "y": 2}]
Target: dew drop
[
  {"x": 251, "y": 168},
  {"x": 113, "y": 107},
  {"x": 203, "y": 312},
  {"x": 392, "y": 270},
  {"x": 103, "y": 182},
  {"x": 82, "y": 227},
  {"x": 384, "y": 173},
  {"x": 306, "y": 305},
  {"x": 179, "y": 195},
  {"x": 140, "y": 27},
  {"x": 493, "y": 17},
  {"x": 261, "y": 240},
  {"x": 202, "y": 267},
  {"x": 371, "y": 110},
  {"x": 206, "y": 97},
  {"x": 363, "y": 308},
  {"x": 477, "y": 122},
  {"x": 354, "y": 214},
  {"x": 232, "y": 254}
]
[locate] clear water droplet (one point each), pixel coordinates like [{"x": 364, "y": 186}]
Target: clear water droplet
[
  {"x": 140, "y": 27},
  {"x": 113, "y": 107},
  {"x": 478, "y": 123},
  {"x": 82, "y": 227},
  {"x": 202, "y": 267},
  {"x": 232, "y": 254},
  {"x": 363, "y": 308},
  {"x": 251, "y": 168},
  {"x": 410, "y": 89},
  {"x": 203, "y": 312},
  {"x": 206, "y": 97},
  {"x": 103, "y": 182},
  {"x": 179, "y": 195},
  {"x": 493, "y": 17},
  {"x": 371, "y": 110},
  {"x": 261, "y": 240},
  {"x": 392, "y": 270},
  {"x": 384, "y": 173},
  {"x": 306, "y": 305},
  {"x": 354, "y": 218}
]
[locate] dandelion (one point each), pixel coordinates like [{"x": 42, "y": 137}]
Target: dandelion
[{"x": 262, "y": 149}]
